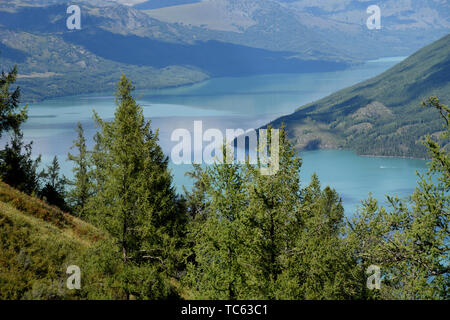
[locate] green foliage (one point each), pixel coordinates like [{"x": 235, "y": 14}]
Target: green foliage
[
  {"x": 81, "y": 189},
  {"x": 320, "y": 264},
  {"x": 273, "y": 207},
  {"x": 108, "y": 278},
  {"x": 10, "y": 118},
  {"x": 261, "y": 236},
  {"x": 54, "y": 189},
  {"x": 410, "y": 241},
  {"x": 217, "y": 233},
  {"x": 134, "y": 200},
  {"x": 17, "y": 167}
]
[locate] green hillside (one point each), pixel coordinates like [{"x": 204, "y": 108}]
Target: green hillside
[
  {"x": 115, "y": 39},
  {"x": 37, "y": 243},
  {"x": 380, "y": 116},
  {"x": 185, "y": 44},
  {"x": 51, "y": 67}
]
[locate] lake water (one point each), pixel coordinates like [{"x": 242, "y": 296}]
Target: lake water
[{"x": 222, "y": 103}]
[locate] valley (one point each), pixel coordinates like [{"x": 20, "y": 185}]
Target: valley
[
  {"x": 117, "y": 182},
  {"x": 230, "y": 102}
]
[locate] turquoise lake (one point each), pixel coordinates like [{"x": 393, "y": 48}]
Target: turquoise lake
[{"x": 222, "y": 103}]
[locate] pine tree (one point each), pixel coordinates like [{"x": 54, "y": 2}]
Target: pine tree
[
  {"x": 196, "y": 198},
  {"x": 321, "y": 263},
  {"x": 409, "y": 242},
  {"x": 217, "y": 271},
  {"x": 259, "y": 236},
  {"x": 9, "y": 103},
  {"x": 296, "y": 250},
  {"x": 54, "y": 186},
  {"x": 274, "y": 202},
  {"x": 134, "y": 199},
  {"x": 81, "y": 185},
  {"x": 17, "y": 168}
]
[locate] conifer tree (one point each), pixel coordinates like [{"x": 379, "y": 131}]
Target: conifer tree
[
  {"x": 10, "y": 118},
  {"x": 81, "y": 185},
  {"x": 259, "y": 236},
  {"x": 320, "y": 263},
  {"x": 17, "y": 167},
  {"x": 54, "y": 189},
  {"x": 196, "y": 198},
  {"x": 274, "y": 203},
  {"x": 296, "y": 250},
  {"x": 134, "y": 199},
  {"x": 410, "y": 241},
  {"x": 217, "y": 234}
]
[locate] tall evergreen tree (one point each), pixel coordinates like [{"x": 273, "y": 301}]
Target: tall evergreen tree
[
  {"x": 54, "y": 189},
  {"x": 258, "y": 236},
  {"x": 274, "y": 203},
  {"x": 217, "y": 233},
  {"x": 320, "y": 264},
  {"x": 17, "y": 167},
  {"x": 81, "y": 185},
  {"x": 10, "y": 118},
  {"x": 134, "y": 199},
  {"x": 296, "y": 250}
]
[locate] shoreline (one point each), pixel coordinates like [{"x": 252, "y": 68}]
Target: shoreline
[
  {"x": 365, "y": 155},
  {"x": 209, "y": 77},
  {"x": 398, "y": 157},
  {"x": 349, "y": 66},
  {"x": 107, "y": 93}
]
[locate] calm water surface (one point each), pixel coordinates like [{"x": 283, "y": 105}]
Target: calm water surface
[{"x": 247, "y": 102}]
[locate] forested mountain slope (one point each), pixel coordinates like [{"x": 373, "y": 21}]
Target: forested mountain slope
[{"x": 380, "y": 116}]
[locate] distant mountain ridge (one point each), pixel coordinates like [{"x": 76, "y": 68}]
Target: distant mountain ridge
[
  {"x": 175, "y": 45},
  {"x": 380, "y": 116},
  {"x": 157, "y": 4},
  {"x": 115, "y": 39},
  {"x": 313, "y": 27}
]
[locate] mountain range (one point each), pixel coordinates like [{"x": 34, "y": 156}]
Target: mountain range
[
  {"x": 171, "y": 43},
  {"x": 314, "y": 27}
]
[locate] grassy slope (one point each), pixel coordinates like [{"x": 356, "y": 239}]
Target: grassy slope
[
  {"x": 381, "y": 116},
  {"x": 37, "y": 243}
]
